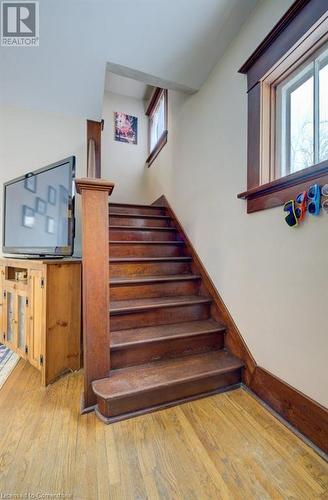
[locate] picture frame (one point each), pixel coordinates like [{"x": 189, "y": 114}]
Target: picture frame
[
  {"x": 52, "y": 195},
  {"x": 125, "y": 128},
  {"x": 50, "y": 225},
  {"x": 40, "y": 206},
  {"x": 30, "y": 183},
  {"x": 28, "y": 217}
]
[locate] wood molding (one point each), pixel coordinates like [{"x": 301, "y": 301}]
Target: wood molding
[
  {"x": 157, "y": 149},
  {"x": 95, "y": 269},
  {"x": 154, "y": 100},
  {"x": 308, "y": 416},
  {"x": 277, "y": 192},
  {"x": 234, "y": 340},
  {"x": 94, "y": 130},
  {"x": 93, "y": 184},
  {"x": 281, "y": 25}
]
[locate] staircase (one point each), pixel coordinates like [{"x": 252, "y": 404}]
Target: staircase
[{"x": 167, "y": 338}]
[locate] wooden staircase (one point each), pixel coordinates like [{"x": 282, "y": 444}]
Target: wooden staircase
[{"x": 167, "y": 337}]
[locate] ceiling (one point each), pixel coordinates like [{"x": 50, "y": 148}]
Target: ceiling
[
  {"x": 127, "y": 86},
  {"x": 175, "y": 42}
]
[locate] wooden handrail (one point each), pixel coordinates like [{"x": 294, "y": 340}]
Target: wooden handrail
[{"x": 95, "y": 273}]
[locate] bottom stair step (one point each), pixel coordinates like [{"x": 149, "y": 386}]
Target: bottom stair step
[{"x": 143, "y": 388}]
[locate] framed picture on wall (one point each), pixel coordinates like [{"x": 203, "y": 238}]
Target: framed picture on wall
[
  {"x": 28, "y": 216},
  {"x": 40, "y": 206},
  {"x": 50, "y": 225},
  {"x": 52, "y": 195},
  {"x": 30, "y": 183},
  {"x": 126, "y": 128}
]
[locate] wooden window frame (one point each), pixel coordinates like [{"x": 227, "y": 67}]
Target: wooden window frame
[
  {"x": 157, "y": 95},
  {"x": 300, "y": 32}
]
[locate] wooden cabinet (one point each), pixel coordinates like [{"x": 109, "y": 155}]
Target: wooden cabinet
[{"x": 40, "y": 313}]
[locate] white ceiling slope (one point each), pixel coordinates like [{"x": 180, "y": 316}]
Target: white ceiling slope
[{"x": 178, "y": 41}]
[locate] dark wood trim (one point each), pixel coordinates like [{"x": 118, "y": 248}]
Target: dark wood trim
[
  {"x": 157, "y": 149},
  {"x": 281, "y": 25},
  {"x": 308, "y": 416},
  {"x": 233, "y": 338},
  {"x": 292, "y": 27},
  {"x": 95, "y": 277},
  {"x": 158, "y": 93},
  {"x": 253, "y": 137},
  {"x": 154, "y": 100},
  {"x": 94, "y": 129},
  {"x": 277, "y": 192}
]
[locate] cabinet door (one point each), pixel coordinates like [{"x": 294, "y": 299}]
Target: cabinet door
[
  {"x": 2, "y": 304},
  {"x": 10, "y": 316},
  {"x": 36, "y": 326},
  {"x": 22, "y": 323}
]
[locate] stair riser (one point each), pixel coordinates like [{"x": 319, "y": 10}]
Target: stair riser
[
  {"x": 120, "y": 209},
  {"x": 125, "y": 406},
  {"x": 147, "y": 352},
  {"x": 125, "y": 292},
  {"x": 138, "y": 222},
  {"x": 149, "y": 235},
  {"x": 135, "y": 250},
  {"x": 126, "y": 269},
  {"x": 160, "y": 316}
]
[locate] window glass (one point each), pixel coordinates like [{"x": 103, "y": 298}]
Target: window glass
[
  {"x": 302, "y": 117},
  {"x": 301, "y": 127},
  {"x": 157, "y": 123},
  {"x": 323, "y": 113}
]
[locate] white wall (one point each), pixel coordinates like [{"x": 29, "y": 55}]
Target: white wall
[
  {"x": 272, "y": 278},
  {"x": 31, "y": 140},
  {"x": 124, "y": 163}
]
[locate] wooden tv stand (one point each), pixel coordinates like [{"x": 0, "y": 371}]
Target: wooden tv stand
[{"x": 40, "y": 314}]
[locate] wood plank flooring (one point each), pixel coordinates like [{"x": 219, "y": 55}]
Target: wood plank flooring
[{"x": 225, "y": 446}]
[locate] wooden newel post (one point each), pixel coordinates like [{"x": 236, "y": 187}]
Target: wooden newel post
[{"x": 95, "y": 273}]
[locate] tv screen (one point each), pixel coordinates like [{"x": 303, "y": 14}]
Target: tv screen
[{"x": 39, "y": 211}]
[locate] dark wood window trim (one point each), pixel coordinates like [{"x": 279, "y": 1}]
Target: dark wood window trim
[
  {"x": 277, "y": 192},
  {"x": 292, "y": 27},
  {"x": 158, "y": 93}
]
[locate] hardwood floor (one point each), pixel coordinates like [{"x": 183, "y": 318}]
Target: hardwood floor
[{"x": 225, "y": 446}]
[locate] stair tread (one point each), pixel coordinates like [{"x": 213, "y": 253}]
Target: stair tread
[
  {"x": 183, "y": 258},
  {"x": 137, "y": 242},
  {"x": 153, "y": 279},
  {"x": 139, "y": 216},
  {"x": 134, "y": 336},
  {"x": 131, "y": 305},
  {"x": 143, "y": 228},
  {"x": 113, "y": 204},
  {"x": 142, "y": 378}
]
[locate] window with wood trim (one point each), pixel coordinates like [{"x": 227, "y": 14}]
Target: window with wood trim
[
  {"x": 157, "y": 124},
  {"x": 302, "y": 116},
  {"x": 288, "y": 107}
]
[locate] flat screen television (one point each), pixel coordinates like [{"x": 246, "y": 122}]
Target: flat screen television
[{"x": 38, "y": 214}]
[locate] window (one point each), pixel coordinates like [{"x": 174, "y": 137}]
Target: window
[
  {"x": 302, "y": 117},
  {"x": 287, "y": 92},
  {"x": 157, "y": 127}
]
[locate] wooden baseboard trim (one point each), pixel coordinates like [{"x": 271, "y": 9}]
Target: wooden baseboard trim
[
  {"x": 305, "y": 414},
  {"x": 233, "y": 338}
]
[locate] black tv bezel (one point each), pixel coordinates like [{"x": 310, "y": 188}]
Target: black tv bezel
[{"x": 65, "y": 251}]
